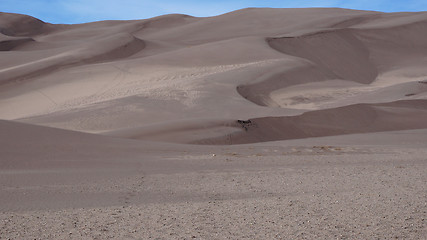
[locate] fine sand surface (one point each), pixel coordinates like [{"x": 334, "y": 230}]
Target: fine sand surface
[{"x": 128, "y": 129}]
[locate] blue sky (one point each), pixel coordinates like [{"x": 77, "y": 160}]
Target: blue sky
[{"x": 79, "y": 11}]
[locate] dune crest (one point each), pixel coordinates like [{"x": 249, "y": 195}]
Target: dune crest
[{"x": 18, "y": 25}]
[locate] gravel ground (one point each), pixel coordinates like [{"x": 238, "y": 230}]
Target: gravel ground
[{"x": 307, "y": 193}]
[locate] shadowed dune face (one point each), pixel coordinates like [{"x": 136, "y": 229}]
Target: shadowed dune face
[
  {"x": 296, "y": 73},
  {"x": 338, "y": 52},
  {"x": 360, "y": 118},
  {"x": 8, "y": 43}
]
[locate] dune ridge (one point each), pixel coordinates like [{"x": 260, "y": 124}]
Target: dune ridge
[
  {"x": 18, "y": 25},
  {"x": 113, "y": 47}
]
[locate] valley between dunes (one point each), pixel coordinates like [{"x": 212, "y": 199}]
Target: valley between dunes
[{"x": 255, "y": 124}]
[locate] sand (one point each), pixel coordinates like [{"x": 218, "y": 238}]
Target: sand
[{"x": 128, "y": 129}]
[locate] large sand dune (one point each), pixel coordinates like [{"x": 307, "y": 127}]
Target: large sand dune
[{"x": 137, "y": 121}]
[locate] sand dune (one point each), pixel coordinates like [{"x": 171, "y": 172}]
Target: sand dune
[
  {"x": 355, "y": 54},
  {"x": 112, "y": 76},
  {"x": 106, "y": 120}
]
